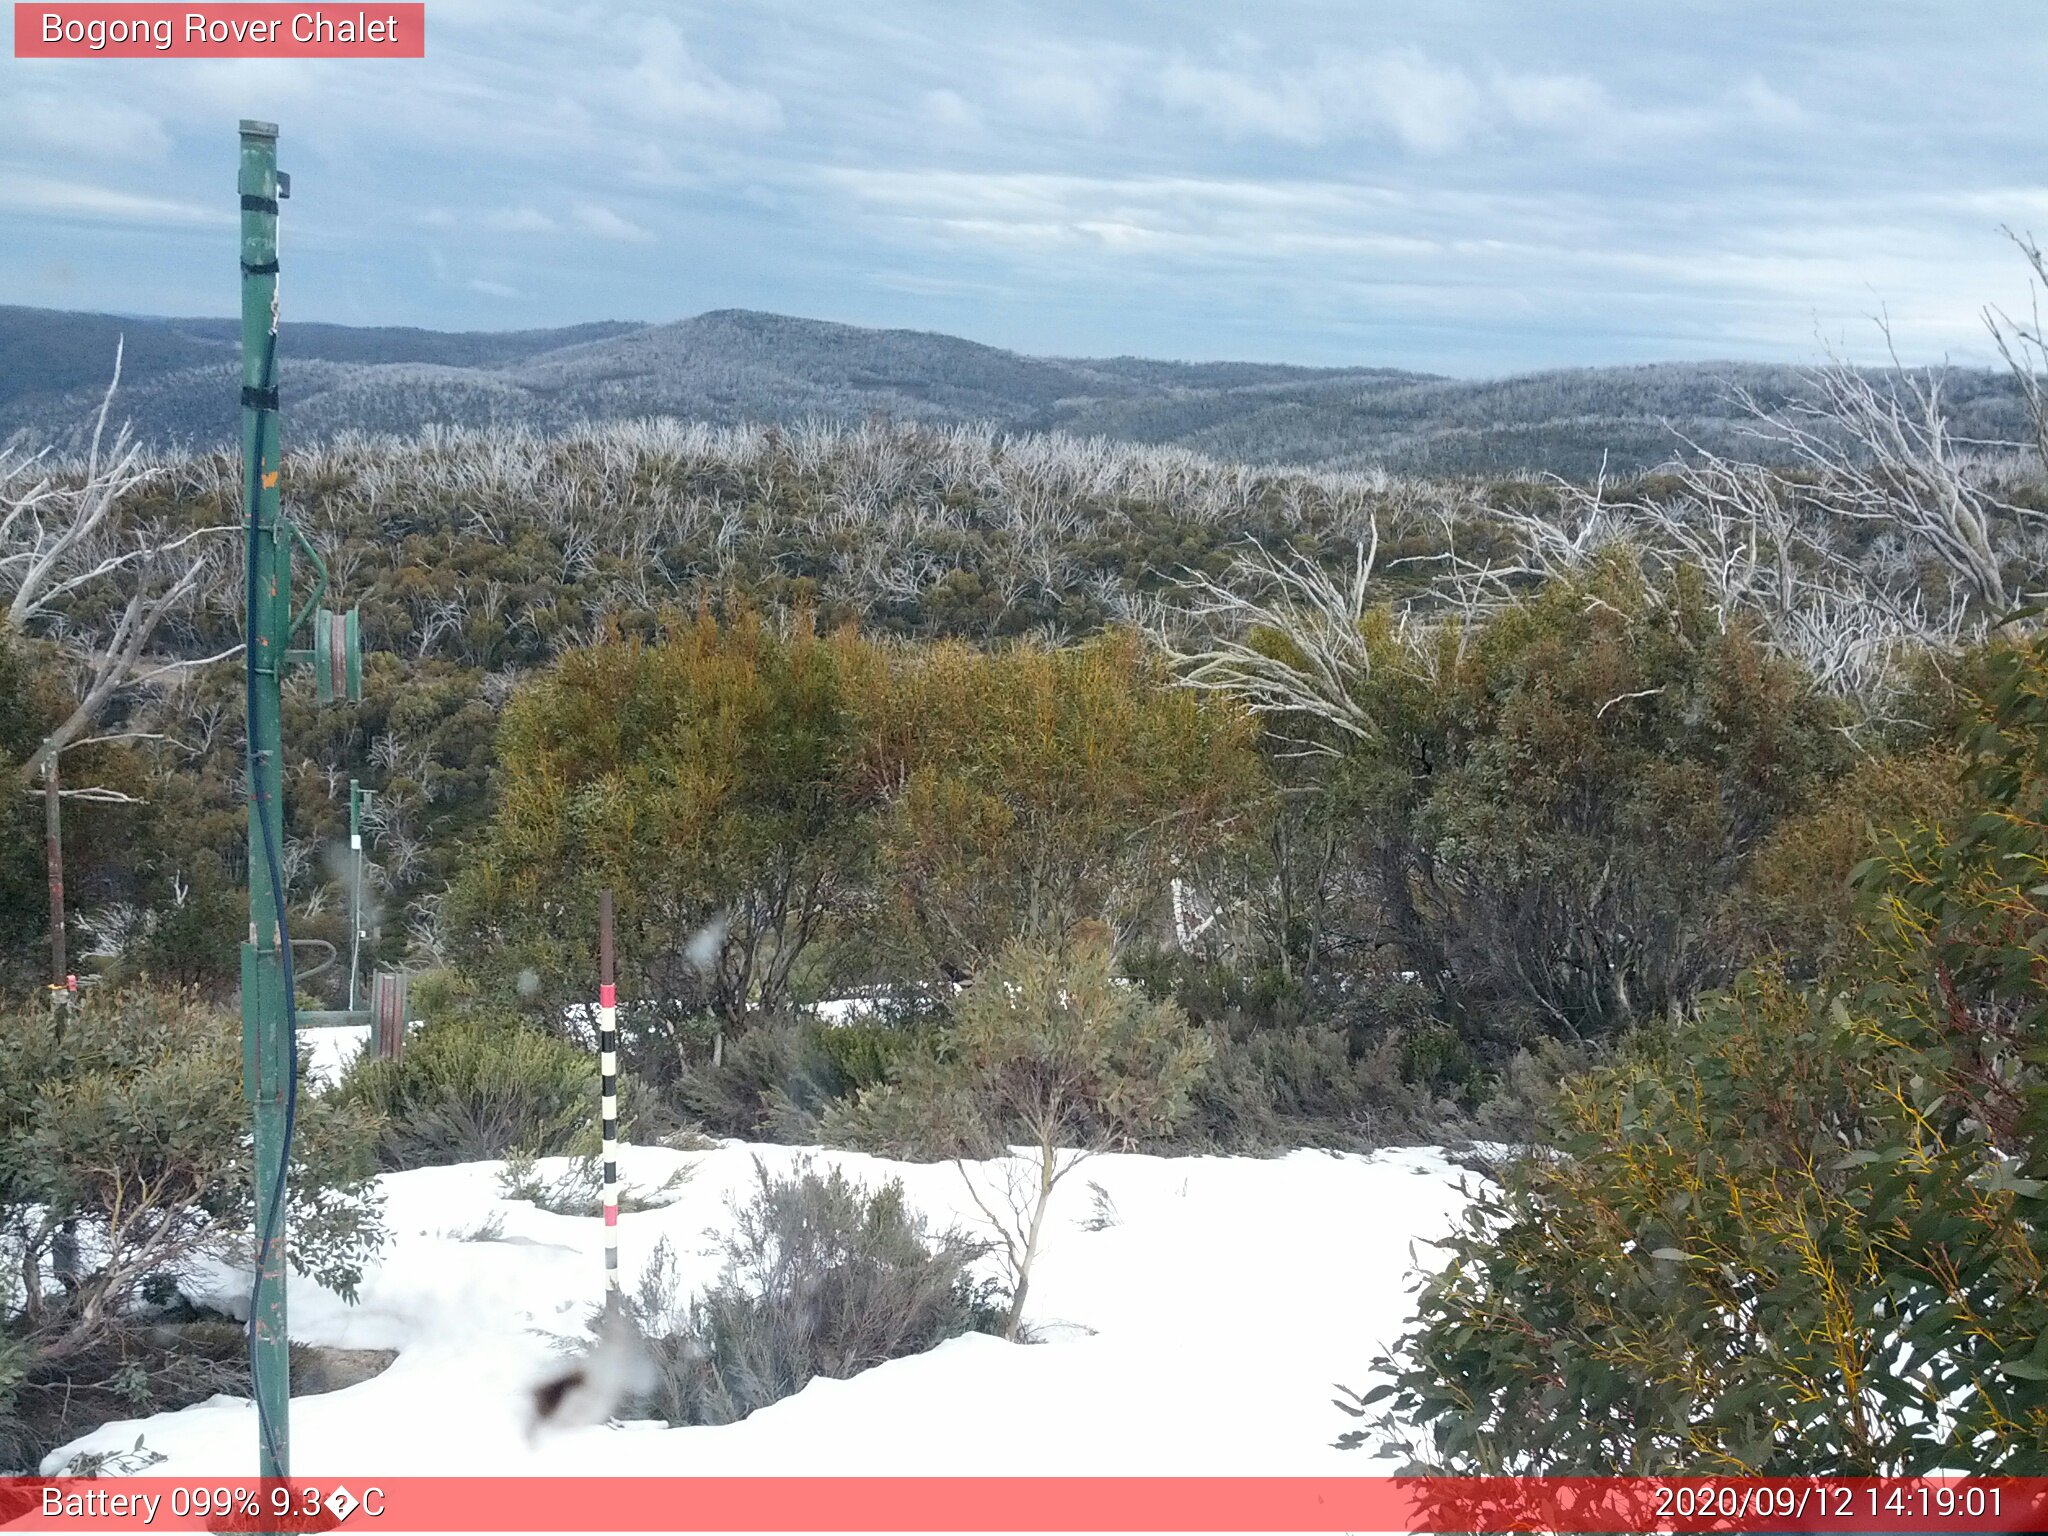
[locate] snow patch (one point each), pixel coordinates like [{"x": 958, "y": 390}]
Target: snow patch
[{"x": 1200, "y": 1334}]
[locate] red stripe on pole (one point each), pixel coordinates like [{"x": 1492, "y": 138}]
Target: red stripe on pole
[
  {"x": 611, "y": 1215},
  {"x": 608, "y": 995},
  {"x": 211, "y": 31},
  {"x": 973, "y": 1504}
]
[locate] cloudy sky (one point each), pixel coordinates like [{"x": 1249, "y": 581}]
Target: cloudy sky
[{"x": 1466, "y": 186}]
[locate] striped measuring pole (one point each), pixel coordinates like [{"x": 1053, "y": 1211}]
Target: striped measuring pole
[{"x": 608, "y": 1091}]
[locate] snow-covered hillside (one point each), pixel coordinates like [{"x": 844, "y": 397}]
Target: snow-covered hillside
[{"x": 1200, "y": 1332}]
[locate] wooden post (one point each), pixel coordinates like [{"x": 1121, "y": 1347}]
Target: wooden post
[
  {"x": 388, "y": 994},
  {"x": 608, "y": 1090}
]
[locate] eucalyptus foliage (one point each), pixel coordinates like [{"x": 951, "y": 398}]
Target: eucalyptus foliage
[{"x": 1802, "y": 1230}]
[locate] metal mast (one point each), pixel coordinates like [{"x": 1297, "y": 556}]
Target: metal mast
[
  {"x": 268, "y": 1066},
  {"x": 270, "y": 1018}
]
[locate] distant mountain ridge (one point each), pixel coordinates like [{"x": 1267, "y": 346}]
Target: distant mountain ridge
[{"x": 179, "y": 388}]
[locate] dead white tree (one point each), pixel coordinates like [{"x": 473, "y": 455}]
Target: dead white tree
[
  {"x": 2024, "y": 345},
  {"x": 1769, "y": 551},
  {"x": 1281, "y": 635},
  {"x": 64, "y": 548},
  {"x": 1550, "y": 546},
  {"x": 1879, "y": 448},
  {"x": 1784, "y": 537}
]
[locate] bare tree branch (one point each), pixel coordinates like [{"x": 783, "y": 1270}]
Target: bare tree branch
[
  {"x": 1282, "y": 636},
  {"x": 61, "y": 541}
]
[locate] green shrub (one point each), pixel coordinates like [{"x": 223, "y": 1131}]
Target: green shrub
[
  {"x": 821, "y": 1278},
  {"x": 1519, "y": 1107},
  {"x": 578, "y": 1190},
  {"x": 123, "y": 1160},
  {"x": 913, "y": 1121},
  {"x": 865, "y": 1054},
  {"x": 20, "y": 1445},
  {"x": 1796, "y": 903},
  {"x": 1049, "y": 1049},
  {"x": 477, "y": 1085},
  {"x": 774, "y": 1082},
  {"x": 1273, "y": 1087},
  {"x": 1540, "y": 817},
  {"x": 1803, "y": 1232},
  {"x": 1048, "y": 1046},
  {"x": 781, "y": 1079},
  {"x": 1767, "y": 1247},
  {"x": 705, "y": 779}
]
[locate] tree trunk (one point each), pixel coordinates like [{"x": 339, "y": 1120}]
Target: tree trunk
[
  {"x": 53, "y": 842},
  {"x": 64, "y": 1257},
  {"x": 32, "y": 1278},
  {"x": 1046, "y": 1163}
]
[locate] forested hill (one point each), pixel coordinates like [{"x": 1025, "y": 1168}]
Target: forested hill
[{"x": 731, "y": 366}]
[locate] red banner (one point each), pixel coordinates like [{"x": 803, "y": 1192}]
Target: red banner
[
  {"x": 115, "y": 31},
  {"x": 1052, "y": 1504}
]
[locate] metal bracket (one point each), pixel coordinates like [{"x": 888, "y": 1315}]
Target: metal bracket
[{"x": 337, "y": 656}]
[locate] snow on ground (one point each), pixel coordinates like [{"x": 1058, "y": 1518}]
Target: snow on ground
[
  {"x": 331, "y": 1048},
  {"x": 1200, "y": 1334}
]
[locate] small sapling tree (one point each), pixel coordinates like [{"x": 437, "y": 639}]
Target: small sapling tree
[{"x": 1051, "y": 1058}]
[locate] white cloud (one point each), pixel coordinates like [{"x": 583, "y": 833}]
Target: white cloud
[
  {"x": 1738, "y": 275},
  {"x": 20, "y": 193},
  {"x": 1281, "y": 107},
  {"x": 1548, "y": 101},
  {"x": 1764, "y": 102},
  {"x": 949, "y": 114},
  {"x": 81, "y": 123},
  {"x": 671, "y": 87},
  {"x": 1180, "y": 221},
  {"x": 492, "y": 290},
  {"x": 1402, "y": 94},
  {"x": 1428, "y": 107},
  {"x": 522, "y": 219},
  {"x": 596, "y": 219},
  {"x": 1079, "y": 97}
]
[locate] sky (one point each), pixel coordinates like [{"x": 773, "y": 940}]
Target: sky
[{"x": 1471, "y": 187}]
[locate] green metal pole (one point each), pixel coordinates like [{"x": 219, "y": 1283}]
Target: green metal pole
[{"x": 266, "y": 1025}]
